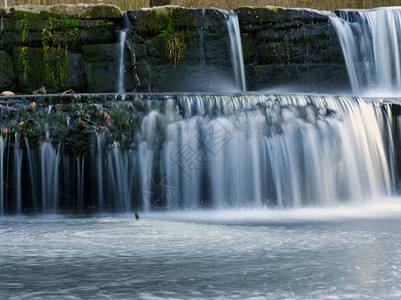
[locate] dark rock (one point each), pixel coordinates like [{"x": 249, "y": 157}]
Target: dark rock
[
  {"x": 101, "y": 53},
  {"x": 7, "y": 74},
  {"x": 101, "y": 76},
  {"x": 320, "y": 77},
  {"x": 76, "y": 74},
  {"x": 102, "y": 68},
  {"x": 291, "y": 46}
]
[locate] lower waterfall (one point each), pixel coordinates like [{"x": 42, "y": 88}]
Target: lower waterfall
[{"x": 212, "y": 151}]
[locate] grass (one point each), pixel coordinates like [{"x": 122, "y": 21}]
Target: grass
[{"x": 227, "y": 4}]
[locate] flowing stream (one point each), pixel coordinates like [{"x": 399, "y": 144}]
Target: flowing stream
[{"x": 349, "y": 253}]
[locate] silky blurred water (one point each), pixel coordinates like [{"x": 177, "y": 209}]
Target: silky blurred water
[{"x": 338, "y": 253}]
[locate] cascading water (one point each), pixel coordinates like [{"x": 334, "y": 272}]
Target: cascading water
[
  {"x": 223, "y": 151},
  {"x": 49, "y": 165},
  {"x": 237, "y": 58},
  {"x": 17, "y": 173},
  {"x": 370, "y": 42},
  {"x": 121, "y": 69}
]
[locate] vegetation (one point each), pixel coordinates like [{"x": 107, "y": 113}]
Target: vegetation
[
  {"x": 175, "y": 37},
  {"x": 55, "y": 49},
  {"x": 228, "y": 4},
  {"x": 174, "y": 43}
]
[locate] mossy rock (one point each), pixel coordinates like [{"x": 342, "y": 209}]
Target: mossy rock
[
  {"x": 28, "y": 63},
  {"x": 154, "y": 20},
  {"x": 101, "y": 53},
  {"x": 32, "y": 71},
  {"x": 150, "y": 20},
  {"x": 75, "y": 11}
]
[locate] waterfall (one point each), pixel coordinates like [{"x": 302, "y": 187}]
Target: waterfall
[
  {"x": 121, "y": 68},
  {"x": 80, "y": 182},
  {"x": 17, "y": 172},
  {"x": 49, "y": 165},
  {"x": 99, "y": 144},
  {"x": 32, "y": 176},
  {"x": 192, "y": 152},
  {"x": 250, "y": 162},
  {"x": 370, "y": 42},
  {"x": 237, "y": 59}
]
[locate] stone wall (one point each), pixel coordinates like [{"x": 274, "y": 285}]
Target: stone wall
[
  {"x": 49, "y": 46},
  {"x": 76, "y": 47},
  {"x": 179, "y": 49},
  {"x": 290, "y": 46},
  {"x": 280, "y": 46}
]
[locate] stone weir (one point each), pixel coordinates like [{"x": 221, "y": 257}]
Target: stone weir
[
  {"x": 76, "y": 47},
  {"x": 115, "y": 152}
]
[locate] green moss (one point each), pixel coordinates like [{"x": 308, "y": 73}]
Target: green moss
[
  {"x": 101, "y": 11},
  {"x": 153, "y": 20},
  {"x": 274, "y": 8},
  {"x": 174, "y": 43},
  {"x": 59, "y": 36},
  {"x": 177, "y": 36},
  {"x": 24, "y": 23},
  {"x": 25, "y": 63},
  {"x": 269, "y": 7}
]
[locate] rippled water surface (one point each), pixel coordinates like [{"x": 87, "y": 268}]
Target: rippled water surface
[{"x": 299, "y": 254}]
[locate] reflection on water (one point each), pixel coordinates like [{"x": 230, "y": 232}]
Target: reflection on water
[{"x": 308, "y": 253}]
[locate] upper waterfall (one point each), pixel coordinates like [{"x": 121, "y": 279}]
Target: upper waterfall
[
  {"x": 237, "y": 58},
  {"x": 370, "y": 40},
  {"x": 121, "y": 67}
]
